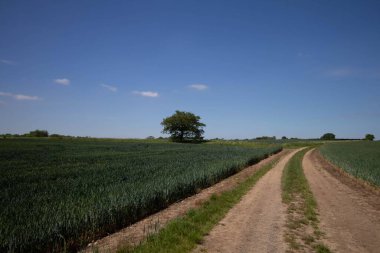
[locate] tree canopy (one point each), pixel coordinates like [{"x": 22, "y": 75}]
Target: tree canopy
[
  {"x": 369, "y": 137},
  {"x": 183, "y": 126},
  {"x": 328, "y": 136}
]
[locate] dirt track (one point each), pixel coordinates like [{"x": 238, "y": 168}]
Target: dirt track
[
  {"x": 256, "y": 223},
  {"x": 349, "y": 215}
]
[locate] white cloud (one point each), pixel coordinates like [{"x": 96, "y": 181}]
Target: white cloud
[
  {"x": 62, "y": 81},
  {"x": 151, "y": 94},
  {"x": 19, "y": 96},
  {"x": 109, "y": 87},
  {"x": 25, "y": 97},
  {"x": 8, "y": 62},
  {"x": 198, "y": 86}
]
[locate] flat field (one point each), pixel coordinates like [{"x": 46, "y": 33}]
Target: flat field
[
  {"x": 360, "y": 158},
  {"x": 63, "y": 193}
]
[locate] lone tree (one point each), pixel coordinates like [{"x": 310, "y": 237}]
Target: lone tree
[
  {"x": 183, "y": 126},
  {"x": 328, "y": 136},
  {"x": 369, "y": 137}
]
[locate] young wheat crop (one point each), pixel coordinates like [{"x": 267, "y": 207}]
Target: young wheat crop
[{"x": 68, "y": 192}]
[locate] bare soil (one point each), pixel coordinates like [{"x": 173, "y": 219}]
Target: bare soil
[
  {"x": 349, "y": 212},
  {"x": 137, "y": 232},
  {"x": 256, "y": 223}
]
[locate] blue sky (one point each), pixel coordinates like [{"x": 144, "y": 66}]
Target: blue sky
[{"x": 248, "y": 68}]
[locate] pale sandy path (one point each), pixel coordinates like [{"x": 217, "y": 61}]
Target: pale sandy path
[
  {"x": 349, "y": 217},
  {"x": 256, "y": 223}
]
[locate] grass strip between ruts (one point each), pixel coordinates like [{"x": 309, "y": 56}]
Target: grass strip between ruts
[
  {"x": 302, "y": 207},
  {"x": 183, "y": 234}
]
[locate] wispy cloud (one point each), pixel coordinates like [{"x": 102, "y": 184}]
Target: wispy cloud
[
  {"x": 347, "y": 72},
  {"x": 7, "y": 62},
  {"x": 109, "y": 87},
  {"x": 198, "y": 86},
  {"x": 301, "y": 54},
  {"x": 340, "y": 72},
  {"x": 19, "y": 96},
  {"x": 151, "y": 94},
  {"x": 62, "y": 81}
]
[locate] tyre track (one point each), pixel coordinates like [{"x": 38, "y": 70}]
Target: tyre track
[{"x": 256, "y": 223}]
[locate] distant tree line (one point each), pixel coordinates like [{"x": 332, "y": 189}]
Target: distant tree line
[
  {"x": 266, "y": 138},
  {"x": 175, "y": 125},
  {"x": 331, "y": 136},
  {"x": 35, "y": 133}
]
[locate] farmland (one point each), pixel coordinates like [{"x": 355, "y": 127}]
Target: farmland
[
  {"x": 361, "y": 159},
  {"x": 63, "y": 193}
]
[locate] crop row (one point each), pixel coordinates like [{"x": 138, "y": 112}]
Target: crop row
[
  {"x": 64, "y": 193},
  {"x": 360, "y": 158}
]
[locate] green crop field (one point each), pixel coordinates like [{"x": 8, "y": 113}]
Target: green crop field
[
  {"x": 361, "y": 158},
  {"x": 63, "y": 193}
]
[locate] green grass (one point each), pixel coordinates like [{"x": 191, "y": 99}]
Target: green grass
[
  {"x": 294, "y": 183},
  {"x": 183, "y": 234},
  {"x": 360, "y": 158},
  {"x": 67, "y": 192},
  {"x": 302, "y": 207},
  {"x": 320, "y": 248}
]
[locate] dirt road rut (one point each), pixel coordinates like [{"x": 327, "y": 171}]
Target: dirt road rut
[
  {"x": 256, "y": 223},
  {"x": 349, "y": 217}
]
